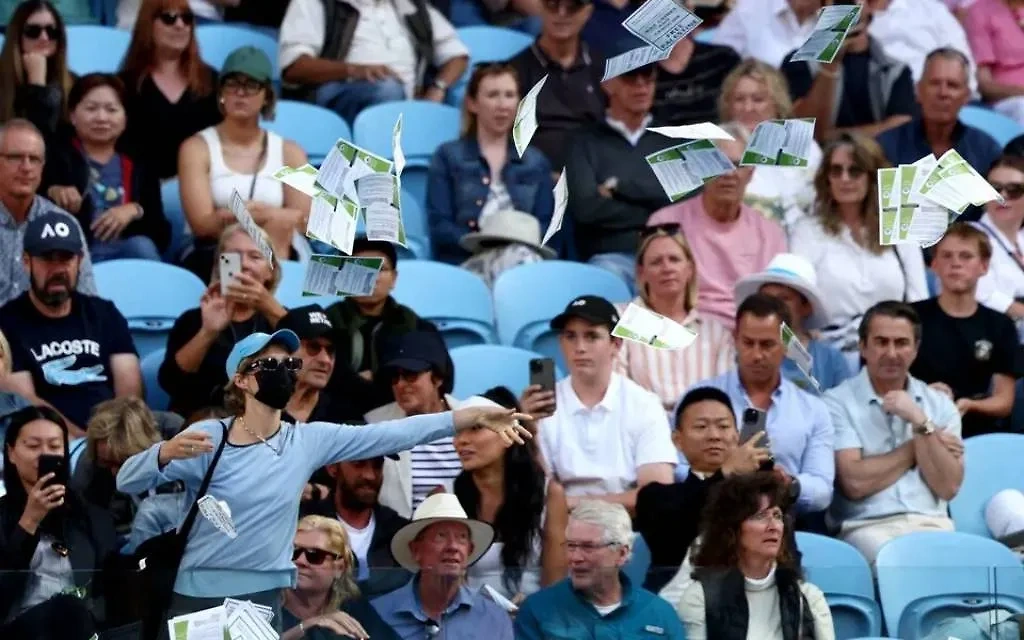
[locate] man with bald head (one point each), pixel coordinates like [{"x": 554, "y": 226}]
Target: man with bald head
[{"x": 22, "y": 155}]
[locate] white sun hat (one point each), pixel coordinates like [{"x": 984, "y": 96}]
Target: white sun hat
[
  {"x": 507, "y": 225},
  {"x": 789, "y": 270},
  {"x": 440, "y": 507}
]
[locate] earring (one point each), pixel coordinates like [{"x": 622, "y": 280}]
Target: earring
[{"x": 222, "y": 100}]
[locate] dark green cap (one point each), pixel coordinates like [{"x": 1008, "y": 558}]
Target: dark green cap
[{"x": 248, "y": 61}]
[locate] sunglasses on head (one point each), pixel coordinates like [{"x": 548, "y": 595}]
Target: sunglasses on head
[
  {"x": 35, "y": 31},
  {"x": 272, "y": 364},
  {"x": 668, "y": 228},
  {"x": 1012, "y": 190},
  {"x": 313, "y": 556},
  {"x": 170, "y": 17}
]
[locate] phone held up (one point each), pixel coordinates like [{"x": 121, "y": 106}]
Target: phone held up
[
  {"x": 754, "y": 422},
  {"x": 542, "y": 374},
  {"x": 55, "y": 464}
]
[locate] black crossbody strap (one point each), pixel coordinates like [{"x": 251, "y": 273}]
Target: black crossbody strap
[{"x": 190, "y": 520}]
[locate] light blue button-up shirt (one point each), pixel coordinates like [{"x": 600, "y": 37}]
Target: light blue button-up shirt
[
  {"x": 469, "y": 616},
  {"x": 861, "y": 423},
  {"x": 800, "y": 431}
]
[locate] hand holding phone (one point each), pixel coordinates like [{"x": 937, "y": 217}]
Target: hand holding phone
[
  {"x": 53, "y": 464},
  {"x": 230, "y": 265},
  {"x": 48, "y": 492},
  {"x": 539, "y": 398}
]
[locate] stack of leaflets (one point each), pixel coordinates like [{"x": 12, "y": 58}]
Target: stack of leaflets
[
  {"x": 233, "y": 620},
  {"x": 647, "y": 327},
  {"x": 833, "y": 25},
  {"x": 782, "y": 143},
  {"x": 688, "y": 166}
]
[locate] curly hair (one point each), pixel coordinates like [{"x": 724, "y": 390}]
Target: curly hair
[{"x": 731, "y": 502}]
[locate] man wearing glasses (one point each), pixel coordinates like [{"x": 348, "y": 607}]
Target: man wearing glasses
[{"x": 22, "y": 154}]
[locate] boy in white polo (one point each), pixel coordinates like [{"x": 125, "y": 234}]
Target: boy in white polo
[{"x": 608, "y": 436}]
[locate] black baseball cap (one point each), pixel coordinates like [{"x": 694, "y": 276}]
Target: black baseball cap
[
  {"x": 53, "y": 231},
  {"x": 593, "y": 309},
  {"x": 309, "y": 322},
  {"x": 418, "y": 351}
]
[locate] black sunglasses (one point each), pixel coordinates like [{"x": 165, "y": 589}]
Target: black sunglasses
[
  {"x": 272, "y": 364},
  {"x": 571, "y": 6},
  {"x": 313, "y": 556},
  {"x": 170, "y": 17},
  {"x": 34, "y": 31},
  {"x": 668, "y": 228},
  {"x": 1013, "y": 190},
  {"x": 314, "y": 348}
]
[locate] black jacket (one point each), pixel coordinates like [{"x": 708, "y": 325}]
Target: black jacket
[
  {"x": 668, "y": 517},
  {"x": 726, "y": 612},
  {"x": 66, "y": 165}
]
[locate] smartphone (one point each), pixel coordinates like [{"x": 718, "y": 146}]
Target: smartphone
[
  {"x": 542, "y": 373},
  {"x": 754, "y": 421},
  {"x": 55, "y": 464},
  {"x": 230, "y": 265}
]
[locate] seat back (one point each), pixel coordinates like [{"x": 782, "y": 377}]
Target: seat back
[
  {"x": 706, "y": 36},
  {"x": 487, "y": 44},
  {"x": 217, "y": 41},
  {"x": 995, "y": 124},
  {"x": 425, "y": 127},
  {"x": 96, "y": 49},
  {"x": 527, "y": 297},
  {"x": 843, "y": 575},
  {"x": 150, "y": 295},
  {"x": 928, "y": 576},
  {"x": 181, "y": 234},
  {"x": 992, "y": 462},
  {"x": 456, "y": 300},
  {"x": 313, "y": 128},
  {"x": 414, "y": 215},
  {"x": 481, "y": 367},
  {"x": 639, "y": 562},
  {"x": 156, "y": 398}
]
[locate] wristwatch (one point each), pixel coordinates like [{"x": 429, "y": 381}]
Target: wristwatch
[
  {"x": 927, "y": 428},
  {"x": 440, "y": 84}
]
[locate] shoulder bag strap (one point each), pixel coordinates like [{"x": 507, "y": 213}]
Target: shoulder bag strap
[
  {"x": 991, "y": 233},
  {"x": 186, "y": 527},
  {"x": 903, "y": 270}
]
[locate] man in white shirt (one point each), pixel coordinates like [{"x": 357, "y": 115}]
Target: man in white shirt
[
  {"x": 768, "y": 29},
  {"x": 349, "y": 54},
  {"x": 899, "y": 457},
  {"x": 608, "y": 436}
]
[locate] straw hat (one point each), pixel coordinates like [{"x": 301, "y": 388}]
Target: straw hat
[
  {"x": 793, "y": 271},
  {"x": 440, "y": 507},
  {"x": 507, "y": 226}
]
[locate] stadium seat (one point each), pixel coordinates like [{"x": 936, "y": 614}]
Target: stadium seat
[
  {"x": 487, "y": 44},
  {"x": 94, "y": 48},
  {"x": 425, "y": 127},
  {"x": 217, "y": 41},
  {"x": 150, "y": 295},
  {"x": 313, "y": 128},
  {"x": 456, "y": 300},
  {"x": 156, "y": 398},
  {"x": 480, "y": 367},
  {"x": 706, "y": 35},
  {"x": 639, "y": 562},
  {"x": 527, "y": 297},
  {"x": 995, "y": 124},
  {"x": 842, "y": 573},
  {"x": 928, "y": 576},
  {"x": 181, "y": 234},
  {"x": 2, "y": 41},
  {"x": 417, "y": 228},
  {"x": 289, "y": 289},
  {"x": 992, "y": 462}
]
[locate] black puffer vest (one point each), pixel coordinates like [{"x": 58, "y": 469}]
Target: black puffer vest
[{"x": 725, "y": 605}]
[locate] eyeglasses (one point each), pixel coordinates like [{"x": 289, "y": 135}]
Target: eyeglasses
[
  {"x": 273, "y": 364},
  {"x": 668, "y": 228},
  {"x": 586, "y": 548},
  {"x": 837, "y": 171},
  {"x": 242, "y": 84},
  {"x": 313, "y": 556},
  {"x": 20, "y": 158},
  {"x": 34, "y": 31},
  {"x": 314, "y": 348},
  {"x": 170, "y": 17},
  {"x": 1013, "y": 190},
  {"x": 571, "y": 6},
  {"x": 405, "y": 376}
]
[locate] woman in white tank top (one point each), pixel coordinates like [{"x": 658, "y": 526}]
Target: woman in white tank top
[{"x": 239, "y": 155}]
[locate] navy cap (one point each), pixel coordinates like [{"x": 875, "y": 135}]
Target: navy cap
[
  {"x": 418, "y": 351},
  {"x": 53, "y": 231}
]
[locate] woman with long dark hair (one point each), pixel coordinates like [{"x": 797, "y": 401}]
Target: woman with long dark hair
[
  {"x": 52, "y": 543},
  {"x": 748, "y": 580},
  {"x": 34, "y": 76},
  {"x": 507, "y": 488}
]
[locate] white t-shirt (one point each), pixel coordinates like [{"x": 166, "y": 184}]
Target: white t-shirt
[
  {"x": 607, "y": 608},
  {"x": 359, "y": 540}
]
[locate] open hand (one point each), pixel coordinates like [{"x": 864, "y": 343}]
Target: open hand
[
  {"x": 505, "y": 422},
  {"x": 340, "y": 623},
  {"x": 187, "y": 444}
]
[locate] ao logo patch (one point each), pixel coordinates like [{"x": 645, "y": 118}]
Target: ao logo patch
[{"x": 59, "y": 230}]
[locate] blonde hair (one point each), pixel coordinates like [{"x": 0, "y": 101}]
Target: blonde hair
[
  {"x": 5, "y": 356},
  {"x": 691, "y": 287},
  {"x": 234, "y": 397},
  {"x": 225, "y": 235},
  {"x": 344, "y": 586},
  {"x": 868, "y": 156},
  {"x": 125, "y": 424},
  {"x": 767, "y": 75}
]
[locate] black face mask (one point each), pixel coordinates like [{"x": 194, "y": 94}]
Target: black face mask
[{"x": 276, "y": 386}]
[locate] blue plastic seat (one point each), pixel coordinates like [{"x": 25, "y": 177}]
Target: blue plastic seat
[
  {"x": 181, "y": 234},
  {"x": 706, "y": 36},
  {"x": 217, "y": 41},
  {"x": 639, "y": 562},
  {"x": 156, "y": 398},
  {"x": 928, "y": 576},
  {"x": 425, "y": 127},
  {"x": 150, "y": 295},
  {"x": 456, "y": 300},
  {"x": 992, "y": 462},
  {"x": 487, "y": 44},
  {"x": 527, "y": 297},
  {"x": 313, "y": 128},
  {"x": 843, "y": 575},
  {"x": 995, "y": 124},
  {"x": 480, "y": 367},
  {"x": 289, "y": 289},
  {"x": 417, "y": 228},
  {"x": 96, "y": 49}
]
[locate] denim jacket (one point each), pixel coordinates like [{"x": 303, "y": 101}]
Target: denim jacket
[{"x": 459, "y": 180}]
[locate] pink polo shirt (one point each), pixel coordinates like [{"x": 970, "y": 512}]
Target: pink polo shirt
[
  {"x": 997, "y": 40},
  {"x": 724, "y": 253}
]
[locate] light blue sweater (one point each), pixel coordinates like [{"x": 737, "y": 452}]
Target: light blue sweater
[{"x": 262, "y": 490}]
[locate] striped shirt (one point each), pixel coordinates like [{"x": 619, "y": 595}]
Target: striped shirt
[
  {"x": 670, "y": 373},
  {"x": 433, "y": 464}
]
